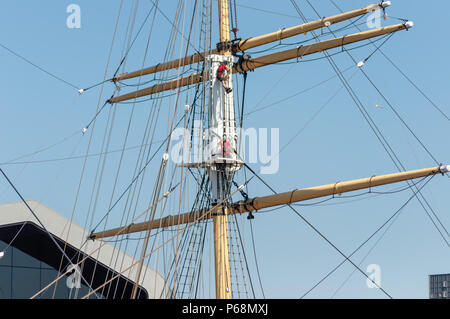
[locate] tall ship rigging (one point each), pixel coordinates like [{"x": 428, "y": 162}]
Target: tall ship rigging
[{"x": 176, "y": 215}]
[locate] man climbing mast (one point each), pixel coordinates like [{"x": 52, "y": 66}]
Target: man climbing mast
[{"x": 223, "y": 76}]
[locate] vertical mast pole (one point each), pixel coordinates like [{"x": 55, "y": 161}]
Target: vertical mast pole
[{"x": 220, "y": 221}]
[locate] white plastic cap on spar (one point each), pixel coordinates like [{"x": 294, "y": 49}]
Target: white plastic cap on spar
[
  {"x": 409, "y": 24},
  {"x": 444, "y": 169},
  {"x": 385, "y": 4}
]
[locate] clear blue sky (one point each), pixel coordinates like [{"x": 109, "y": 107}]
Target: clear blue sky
[{"x": 337, "y": 145}]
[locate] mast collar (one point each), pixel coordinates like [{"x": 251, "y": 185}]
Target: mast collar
[{"x": 224, "y": 46}]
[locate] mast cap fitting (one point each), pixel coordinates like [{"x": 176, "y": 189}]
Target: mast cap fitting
[
  {"x": 444, "y": 168},
  {"x": 409, "y": 24},
  {"x": 385, "y": 4}
]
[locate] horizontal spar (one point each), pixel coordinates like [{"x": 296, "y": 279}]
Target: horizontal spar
[
  {"x": 255, "y": 41},
  {"x": 252, "y": 64},
  {"x": 294, "y": 196},
  {"x": 304, "y": 28},
  {"x": 167, "y": 86},
  {"x": 299, "y": 195},
  {"x": 301, "y": 51}
]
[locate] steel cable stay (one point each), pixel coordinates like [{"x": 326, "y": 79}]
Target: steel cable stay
[
  {"x": 182, "y": 177},
  {"x": 309, "y": 121},
  {"x": 201, "y": 201},
  {"x": 39, "y": 68},
  {"x": 123, "y": 58},
  {"x": 126, "y": 134},
  {"x": 368, "y": 239},
  {"x": 98, "y": 112},
  {"x": 92, "y": 133},
  {"x": 49, "y": 160},
  {"x": 174, "y": 170},
  {"x": 64, "y": 255},
  {"x": 175, "y": 28},
  {"x": 40, "y": 150},
  {"x": 186, "y": 281},
  {"x": 80, "y": 90},
  {"x": 256, "y": 259},
  {"x": 148, "y": 161},
  {"x": 46, "y": 148},
  {"x": 245, "y": 256},
  {"x": 163, "y": 141},
  {"x": 317, "y": 231},
  {"x": 166, "y": 242},
  {"x": 120, "y": 232},
  {"x": 21, "y": 228},
  {"x": 136, "y": 177},
  {"x": 403, "y": 73},
  {"x": 141, "y": 171},
  {"x": 366, "y": 60},
  {"x": 187, "y": 244},
  {"x": 134, "y": 194},
  {"x": 295, "y": 94},
  {"x": 99, "y": 173},
  {"x": 222, "y": 268},
  {"x": 107, "y": 138},
  {"x": 370, "y": 121},
  {"x": 381, "y": 94},
  {"x": 368, "y": 253},
  {"x": 410, "y": 130}
]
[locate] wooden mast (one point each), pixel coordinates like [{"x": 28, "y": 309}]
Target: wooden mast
[{"x": 220, "y": 220}]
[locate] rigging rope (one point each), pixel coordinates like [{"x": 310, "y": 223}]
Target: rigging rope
[
  {"x": 92, "y": 134},
  {"x": 347, "y": 258},
  {"x": 256, "y": 260},
  {"x": 403, "y": 73},
  {"x": 64, "y": 256},
  {"x": 367, "y": 116},
  {"x": 400, "y": 118},
  {"x": 38, "y": 67},
  {"x": 368, "y": 239}
]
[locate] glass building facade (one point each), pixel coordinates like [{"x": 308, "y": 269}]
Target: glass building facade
[
  {"x": 32, "y": 262},
  {"x": 439, "y": 286},
  {"x": 22, "y": 276}
]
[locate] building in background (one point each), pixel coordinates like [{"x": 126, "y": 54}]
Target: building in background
[
  {"x": 30, "y": 260},
  {"x": 439, "y": 286}
]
